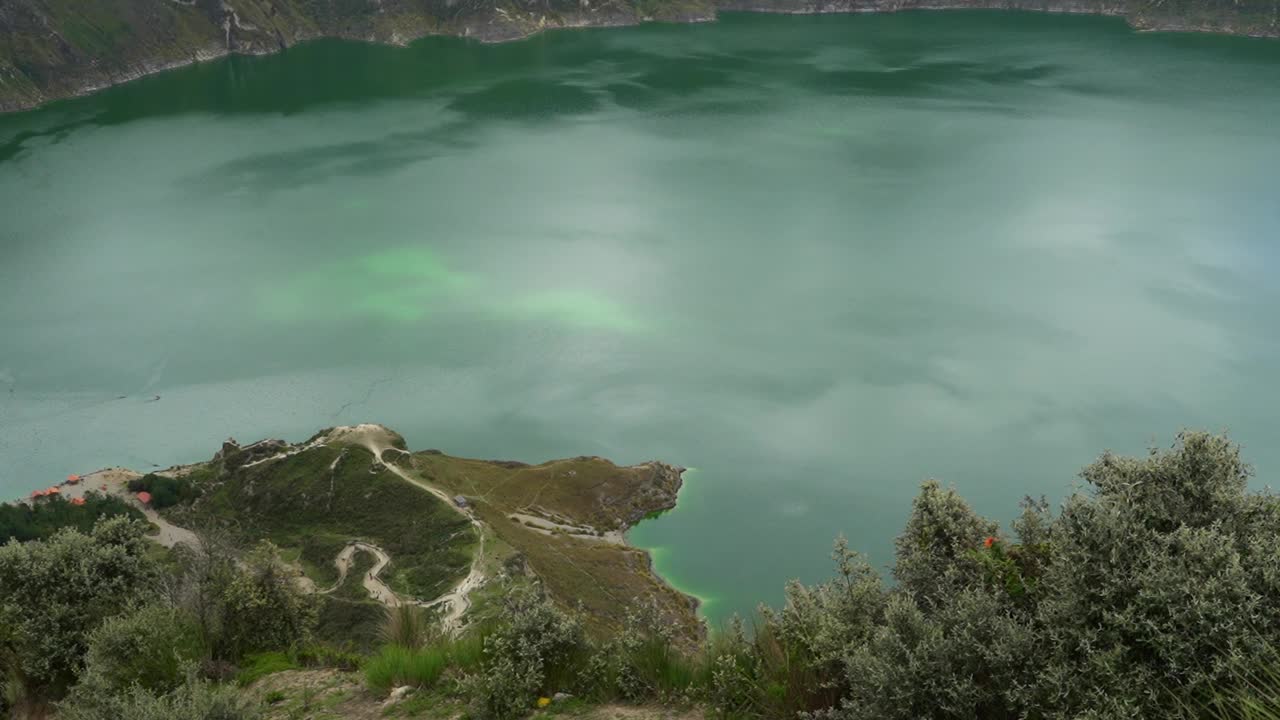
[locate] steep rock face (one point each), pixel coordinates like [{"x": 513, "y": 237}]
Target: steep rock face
[{"x": 58, "y": 48}]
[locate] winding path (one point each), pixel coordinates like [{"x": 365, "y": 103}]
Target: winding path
[
  {"x": 371, "y": 581},
  {"x": 377, "y": 440}
]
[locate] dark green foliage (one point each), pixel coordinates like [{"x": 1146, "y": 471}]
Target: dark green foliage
[
  {"x": 323, "y": 498},
  {"x": 534, "y": 650},
  {"x": 934, "y": 559},
  {"x": 165, "y": 491},
  {"x": 395, "y": 665},
  {"x": 321, "y": 655},
  {"x": 1160, "y": 580},
  {"x": 355, "y": 624},
  {"x": 42, "y": 518},
  {"x": 1139, "y": 599},
  {"x": 154, "y": 647},
  {"x": 264, "y": 609},
  {"x": 55, "y": 592},
  {"x": 255, "y": 667}
]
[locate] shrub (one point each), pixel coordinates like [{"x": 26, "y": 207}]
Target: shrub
[
  {"x": 263, "y": 607},
  {"x": 933, "y": 560},
  {"x": 261, "y": 665},
  {"x": 321, "y": 655},
  {"x": 1138, "y": 599},
  {"x": 1158, "y": 581},
  {"x": 165, "y": 491},
  {"x": 408, "y": 626},
  {"x": 26, "y": 522},
  {"x": 153, "y": 647},
  {"x": 529, "y": 653},
  {"x": 55, "y": 592},
  {"x": 642, "y": 663},
  {"x": 194, "y": 700},
  {"x": 810, "y": 637},
  {"x": 396, "y": 665}
]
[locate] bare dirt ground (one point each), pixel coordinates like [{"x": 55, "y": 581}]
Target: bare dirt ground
[
  {"x": 371, "y": 581},
  {"x": 115, "y": 481},
  {"x": 334, "y": 695}
]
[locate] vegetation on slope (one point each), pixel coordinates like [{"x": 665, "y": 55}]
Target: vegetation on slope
[
  {"x": 1153, "y": 595},
  {"x": 348, "y": 617},
  {"x": 317, "y": 501},
  {"x": 554, "y": 517},
  {"x": 39, "y": 520}
]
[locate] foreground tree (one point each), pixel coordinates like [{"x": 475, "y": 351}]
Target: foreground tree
[
  {"x": 1153, "y": 592},
  {"x": 54, "y": 593}
]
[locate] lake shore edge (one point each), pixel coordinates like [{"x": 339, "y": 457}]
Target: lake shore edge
[
  {"x": 642, "y": 491},
  {"x": 512, "y": 30}
]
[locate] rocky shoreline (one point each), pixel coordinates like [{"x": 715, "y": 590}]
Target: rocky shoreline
[{"x": 77, "y": 74}]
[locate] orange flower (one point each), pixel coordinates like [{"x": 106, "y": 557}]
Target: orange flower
[{"x": 988, "y": 542}]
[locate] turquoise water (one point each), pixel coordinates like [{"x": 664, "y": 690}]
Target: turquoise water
[{"x": 819, "y": 259}]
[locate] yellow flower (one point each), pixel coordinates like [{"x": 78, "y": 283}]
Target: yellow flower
[{"x": 544, "y": 701}]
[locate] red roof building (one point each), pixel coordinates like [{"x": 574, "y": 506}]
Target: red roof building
[
  {"x": 73, "y": 479},
  {"x": 144, "y": 497},
  {"x": 77, "y": 501},
  {"x": 53, "y": 491}
]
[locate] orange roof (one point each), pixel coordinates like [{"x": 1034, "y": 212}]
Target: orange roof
[
  {"x": 144, "y": 497},
  {"x": 53, "y": 491},
  {"x": 77, "y": 501},
  {"x": 37, "y": 494},
  {"x": 73, "y": 479}
]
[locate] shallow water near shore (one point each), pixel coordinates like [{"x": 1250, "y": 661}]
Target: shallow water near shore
[{"x": 818, "y": 258}]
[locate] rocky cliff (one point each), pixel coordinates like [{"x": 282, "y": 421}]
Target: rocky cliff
[{"x": 58, "y": 48}]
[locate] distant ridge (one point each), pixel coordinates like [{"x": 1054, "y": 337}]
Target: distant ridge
[{"x": 52, "y": 49}]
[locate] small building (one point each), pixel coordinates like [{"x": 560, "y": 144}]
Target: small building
[
  {"x": 77, "y": 501},
  {"x": 37, "y": 494},
  {"x": 53, "y": 491},
  {"x": 73, "y": 479},
  {"x": 459, "y": 501},
  {"x": 144, "y": 497}
]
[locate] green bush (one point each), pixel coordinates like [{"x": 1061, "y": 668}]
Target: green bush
[
  {"x": 1138, "y": 599},
  {"x": 321, "y": 655},
  {"x": 194, "y": 700},
  {"x": 55, "y": 592},
  {"x": 39, "y": 520},
  {"x": 260, "y": 665},
  {"x": 534, "y": 649},
  {"x": 408, "y": 626},
  {"x": 643, "y": 663},
  {"x": 352, "y": 624},
  {"x": 395, "y": 665},
  {"x": 165, "y": 491},
  {"x": 153, "y": 647},
  {"x": 263, "y": 607}
]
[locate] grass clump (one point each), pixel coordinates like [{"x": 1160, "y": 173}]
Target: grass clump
[
  {"x": 260, "y": 665},
  {"x": 395, "y": 666}
]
